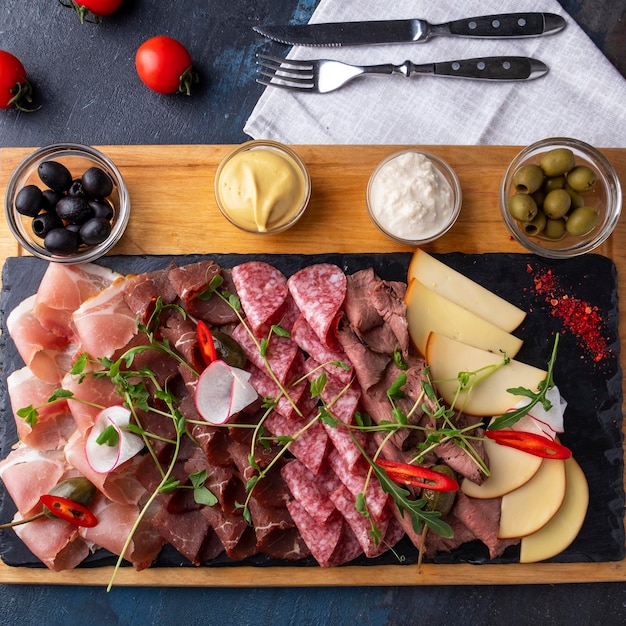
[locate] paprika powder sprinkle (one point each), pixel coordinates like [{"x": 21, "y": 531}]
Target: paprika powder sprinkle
[{"x": 579, "y": 317}]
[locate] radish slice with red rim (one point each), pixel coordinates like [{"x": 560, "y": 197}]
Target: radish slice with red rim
[
  {"x": 119, "y": 445},
  {"x": 223, "y": 391}
]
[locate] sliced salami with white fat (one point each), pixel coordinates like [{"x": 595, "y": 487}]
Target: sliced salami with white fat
[
  {"x": 262, "y": 290},
  {"x": 319, "y": 291}
]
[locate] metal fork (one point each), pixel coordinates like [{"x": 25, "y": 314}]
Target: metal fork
[{"x": 323, "y": 75}]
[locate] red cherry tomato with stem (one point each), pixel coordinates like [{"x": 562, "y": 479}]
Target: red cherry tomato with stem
[
  {"x": 164, "y": 65},
  {"x": 92, "y": 10},
  {"x": 14, "y": 86}
]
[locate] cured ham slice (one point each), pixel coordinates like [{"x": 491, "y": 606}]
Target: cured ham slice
[
  {"x": 319, "y": 291},
  {"x": 28, "y": 474},
  {"x": 54, "y": 542},
  {"x": 48, "y": 355},
  {"x": 63, "y": 288},
  {"x": 54, "y": 424},
  {"x": 262, "y": 290},
  {"x": 104, "y": 323},
  {"x": 115, "y": 522}
]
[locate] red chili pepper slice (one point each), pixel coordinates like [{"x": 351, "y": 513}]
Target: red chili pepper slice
[
  {"x": 418, "y": 476},
  {"x": 206, "y": 343},
  {"x": 531, "y": 443},
  {"x": 68, "y": 510}
]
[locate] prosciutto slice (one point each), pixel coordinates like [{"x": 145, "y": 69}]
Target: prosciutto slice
[{"x": 64, "y": 288}]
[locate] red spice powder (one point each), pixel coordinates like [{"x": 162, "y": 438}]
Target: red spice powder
[{"x": 578, "y": 316}]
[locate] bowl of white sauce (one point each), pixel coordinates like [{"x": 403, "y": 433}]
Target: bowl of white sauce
[{"x": 414, "y": 197}]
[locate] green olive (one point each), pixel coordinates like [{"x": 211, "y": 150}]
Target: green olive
[
  {"x": 441, "y": 501},
  {"x": 554, "y": 182},
  {"x": 554, "y": 229},
  {"x": 581, "y": 178},
  {"x": 536, "y": 225},
  {"x": 228, "y": 349},
  {"x": 557, "y": 161},
  {"x": 557, "y": 203},
  {"x": 581, "y": 221},
  {"x": 577, "y": 199},
  {"x": 522, "y": 207},
  {"x": 528, "y": 178},
  {"x": 539, "y": 196}
]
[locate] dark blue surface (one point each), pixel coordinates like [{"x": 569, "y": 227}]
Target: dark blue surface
[{"x": 85, "y": 79}]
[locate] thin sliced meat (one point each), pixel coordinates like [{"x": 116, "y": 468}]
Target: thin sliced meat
[
  {"x": 141, "y": 291},
  {"x": 358, "y": 305},
  {"x": 262, "y": 290},
  {"x": 105, "y": 323},
  {"x": 319, "y": 291},
  {"x": 292, "y": 407},
  {"x": 28, "y": 474},
  {"x": 54, "y": 542},
  {"x": 48, "y": 355},
  {"x": 54, "y": 424},
  {"x": 63, "y": 288},
  {"x": 388, "y": 299},
  {"x": 235, "y": 534}
]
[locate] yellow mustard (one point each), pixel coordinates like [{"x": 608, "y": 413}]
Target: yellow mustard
[{"x": 262, "y": 189}]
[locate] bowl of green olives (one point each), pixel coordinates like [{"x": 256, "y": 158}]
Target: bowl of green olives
[
  {"x": 560, "y": 197},
  {"x": 67, "y": 203}
]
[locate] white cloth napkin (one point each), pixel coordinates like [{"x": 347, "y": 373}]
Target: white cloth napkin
[{"x": 582, "y": 96}]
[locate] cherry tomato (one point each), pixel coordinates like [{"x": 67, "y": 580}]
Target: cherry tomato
[
  {"x": 92, "y": 10},
  {"x": 14, "y": 87},
  {"x": 164, "y": 65}
]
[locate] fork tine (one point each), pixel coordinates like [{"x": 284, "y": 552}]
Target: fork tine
[
  {"x": 268, "y": 83},
  {"x": 281, "y": 62},
  {"x": 299, "y": 76},
  {"x": 303, "y": 80}
]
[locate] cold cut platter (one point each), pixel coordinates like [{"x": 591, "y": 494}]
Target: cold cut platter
[{"x": 588, "y": 371}]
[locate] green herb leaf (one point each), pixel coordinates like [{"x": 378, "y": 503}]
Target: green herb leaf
[{"x": 109, "y": 436}]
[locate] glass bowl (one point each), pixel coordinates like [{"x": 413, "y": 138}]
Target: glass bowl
[
  {"x": 605, "y": 199},
  {"x": 262, "y": 187},
  {"x": 414, "y": 197},
  {"x": 77, "y": 159}
]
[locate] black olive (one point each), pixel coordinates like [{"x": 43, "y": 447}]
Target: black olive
[
  {"x": 55, "y": 175},
  {"x": 76, "y": 189},
  {"x": 73, "y": 209},
  {"x": 95, "y": 231},
  {"x": 61, "y": 241},
  {"x": 101, "y": 208},
  {"x": 97, "y": 183},
  {"x": 51, "y": 198},
  {"x": 43, "y": 223},
  {"x": 29, "y": 200}
]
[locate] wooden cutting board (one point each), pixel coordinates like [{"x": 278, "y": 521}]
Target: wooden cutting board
[{"x": 174, "y": 212}]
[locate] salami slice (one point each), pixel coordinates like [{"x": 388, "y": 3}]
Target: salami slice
[
  {"x": 319, "y": 291},
  {"x": 262, "y": 290},
  {"x": 309, "y": 490},
  {"x": 353, "y": 478},
  {"x": 310, "y": 447},
  {"x": 361, "y": 526},
  {"x": 307, "y": 340},
  {"x": 299, "y": 398}
]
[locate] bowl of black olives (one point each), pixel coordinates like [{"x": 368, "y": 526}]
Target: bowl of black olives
[
  {"x": 67, "y": 203},
  {"x": 560, "y": 197}
]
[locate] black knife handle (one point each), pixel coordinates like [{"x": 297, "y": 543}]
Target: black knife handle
[
  {"x": 490, "y": 68},
  {"x": 503, "y": 25}
]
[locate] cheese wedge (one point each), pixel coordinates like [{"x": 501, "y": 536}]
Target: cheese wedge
[
  {"x": 429, "y": 311},
  {"x": 465, "y": 292},
  {"x": 529, "y": 508},
  {"x": 448, "y": 357},
  {"x": 509, "y": 469},
  {"x": 563, "y": 528}
]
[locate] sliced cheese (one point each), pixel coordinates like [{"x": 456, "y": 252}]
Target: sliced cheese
[
  {"x": 429, "y": 311},
  {"x": 563, "y": 528},
  {"x": 488, "y": 397},
  {"x": 509, "y": 469},
  {"x": 529, "y": 508},
  {"x": 463, "y": 291}
]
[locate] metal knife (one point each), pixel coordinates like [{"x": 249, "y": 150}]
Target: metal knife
[{"x": 504, "y": 25}]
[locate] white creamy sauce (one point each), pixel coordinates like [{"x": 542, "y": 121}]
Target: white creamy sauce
[{"x": 410, "y": 198}]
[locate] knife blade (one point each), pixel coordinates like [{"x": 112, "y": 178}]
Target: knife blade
[{"x": 506, "y": 25}]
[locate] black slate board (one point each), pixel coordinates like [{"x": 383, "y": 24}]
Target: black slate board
[{"x": 593, "y": 389}]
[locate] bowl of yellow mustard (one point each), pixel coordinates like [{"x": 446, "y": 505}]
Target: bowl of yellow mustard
[{"x": 262, "y": 186}]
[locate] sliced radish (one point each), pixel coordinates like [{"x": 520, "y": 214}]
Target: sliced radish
[
  {"x": 543, "y": 422},
  {"x": 222, "y": 391},
  {"x": 102, "y": 457}
]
